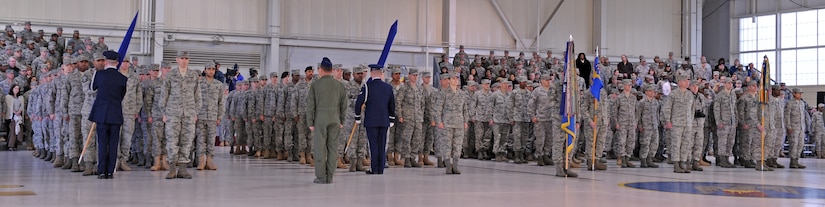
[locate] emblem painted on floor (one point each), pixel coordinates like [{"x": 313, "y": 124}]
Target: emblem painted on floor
[
  {"x": 3, "y": 191},
  {"x": 731, "y": 189}
]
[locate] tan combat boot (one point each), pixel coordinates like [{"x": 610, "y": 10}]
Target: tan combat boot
[
  {"x": 157, "y": 164},
  {"x": 427, "y": 161},
  {"x": 398, "y": 160},
  {"x": 210, "y": 165},
  {"x": 391, "y": 158},
  {"x": 302, "y": 158},
  {"x": 341, "y": 164},
  {"x": 201, "y": 162},
  {"x": 310, "y": 159}
]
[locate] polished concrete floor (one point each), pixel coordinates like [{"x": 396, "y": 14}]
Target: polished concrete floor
[{"x": 245, "y": 181}]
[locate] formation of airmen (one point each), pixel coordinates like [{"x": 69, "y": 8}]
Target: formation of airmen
[{"x": 488, "y": 108}]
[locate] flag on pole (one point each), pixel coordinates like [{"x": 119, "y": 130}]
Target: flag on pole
[
  {"x": 124, "y": 46},
  {"x": 597, "y": 85},
  {"x": 568, "y": 98},
  {"x": 388, "y": 44}
]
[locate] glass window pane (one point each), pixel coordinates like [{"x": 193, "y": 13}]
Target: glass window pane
[
  {"x": 747, "y": 34},
  {"x": 806, "y": 67},
  {"x": 821, "y": 64},
  {"x": 789, "y": 30},
  {"x": 806, "y": 31},
  {"x": 766, "y": 29},
  {"x": 821, "y": 28},
  {"x": 787, "y": 67}
]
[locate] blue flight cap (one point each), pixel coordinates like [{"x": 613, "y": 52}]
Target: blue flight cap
[
  {"x": 374, "y": 67},
  {"x": 326, "y": 63},
  {"x": 110, "y": 55}
]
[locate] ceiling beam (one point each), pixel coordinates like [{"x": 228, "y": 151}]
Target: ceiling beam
[
  {"x": 507, "y": 24},
  {"x": 541, "y": 31}
]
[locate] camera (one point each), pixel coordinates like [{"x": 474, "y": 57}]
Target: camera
[{"x": 699, "y": 114}]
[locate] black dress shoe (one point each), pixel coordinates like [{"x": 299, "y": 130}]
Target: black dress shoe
[
  {"x": 101, "y": 176},
  {"x": 110, "y": 176},
  {"x": 369, "y": 172}
]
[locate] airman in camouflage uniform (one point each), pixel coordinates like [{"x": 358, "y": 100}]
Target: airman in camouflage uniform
[
  {"x": 290, "y": 123},
  {"x": 677, "y": 114},
  {"x": 483, "y": 116},
  {"x": 429, "y": 123},
  {"x": 238, "y": 116},
  {"x": 209, "y": 116},
  {"x": 298, "y": 114},
  {"x": 180, "y": 100},
  {"x": 452, "y": 115},
  {"x": 626, "y": 124},
  {"x": 148, "y": 134},
  {"x": 262, "y": 143},
  {"x": 724, "y": 109},
  {"x": 818, "y": 129},
  {"x": 502, "y": 120},
  {"x": 603, "y": 117},
  {"x": 89, "y": 95},
  {"x": 282, "y": 139},
  {"x": 252, "y": 118},
  {"x": 356, "y": 150},
  {"x": 410, "y": 116},
  {"x": 700, "y": 104},
  {"x": 61, "y": 112},
  {"x": 269, "y": 109},
  {"x": 544, "y": 102},
  {"x": 775, "y": 128},
  {"x": 394, "y": 136},
  {"x": 158, "y": 125},
  {"x": 75, "y": 141},
  {"x": 521, "y": 116},
  {"x": 32, "y": 110},
  {"x": 752, "y": 128},
  {"x": 132, "y": 103},
  {"x": 796, "y": 127}
]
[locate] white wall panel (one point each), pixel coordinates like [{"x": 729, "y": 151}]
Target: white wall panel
[
  {"x": 301, "y": 57},
  {"x": 86, "y": 12},
  {"x": 361, "y": 20},
  {"x": 643, "y": 27},
  {"x": 478, "y": 25},
  {"x": 573, "y": 18},
  {"x": 246, "y": 17}
]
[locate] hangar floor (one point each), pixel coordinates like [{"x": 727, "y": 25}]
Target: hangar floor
[{"x": 245, "y": 181}]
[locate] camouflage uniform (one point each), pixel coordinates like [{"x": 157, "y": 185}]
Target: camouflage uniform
[
  {"x": 238, "y": 113},
  {"x": 750, "y": 146},
  {"x": 724, "y": 109},
  {"x": 75, "y": 104},
  {"x": 145, "y": 113},
  {"x": 429, "y": 133},
  {"x": 89, "y": 95},
  {"x": 254, "y": 111},
  {"x": 394, "y": 136},
  {"x": 483, "y": 112},
  {"x": 33, "y": 111},
  {"x": 602, "y": 124},
  {"x": 410, "y": 107},
  {"x": 281, "y": 137},
  {"x": 180, "y": 100},
  {"x": 520, "y": 98},
  {"x": 795, "y": 122},
  {"x": 502, "y": 120},
  {"x": 289, "y": 119},
  {"x": 818, "y": 130},
  {"x": 701, "y": 103},
  {"x": 358, "y": 146},
  {"x": 451, "y": 111},
  {"x": 544, "y": 103},
  {"x": 678, "y": 111},
  {"x": 269, "y": 109},
  {"x": 131, "y": 106},
  {"x": 61, "y": 112},
  {"x": 211, "y": 111},
  {"x": 298, "y": 102},
  {"x": 158, "y": 125},
  {"x": 775, "y": 127},
  {"x": 626, "y": 120}
]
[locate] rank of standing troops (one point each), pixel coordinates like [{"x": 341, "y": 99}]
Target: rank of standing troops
[{"x": 498, "y": 108}]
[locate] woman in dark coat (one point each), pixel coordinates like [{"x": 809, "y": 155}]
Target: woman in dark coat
[{"x": 584, "y": 68}]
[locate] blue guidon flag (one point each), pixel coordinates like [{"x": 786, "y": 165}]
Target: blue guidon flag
[
  {"x": 124, "y": 46},
  {"x": 568, "y": 99}
]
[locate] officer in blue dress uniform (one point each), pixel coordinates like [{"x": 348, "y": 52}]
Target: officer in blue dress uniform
[
  {"x": 107, "y": 113},
  {"x": 378, "y": 103}
]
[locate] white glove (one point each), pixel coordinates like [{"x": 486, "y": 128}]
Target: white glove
[
  {"x": 392, "y": 124},
  {"x": 358, "y": 122}
]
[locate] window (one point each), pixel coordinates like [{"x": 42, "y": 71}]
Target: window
[{"x": 800, "y": 45}]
